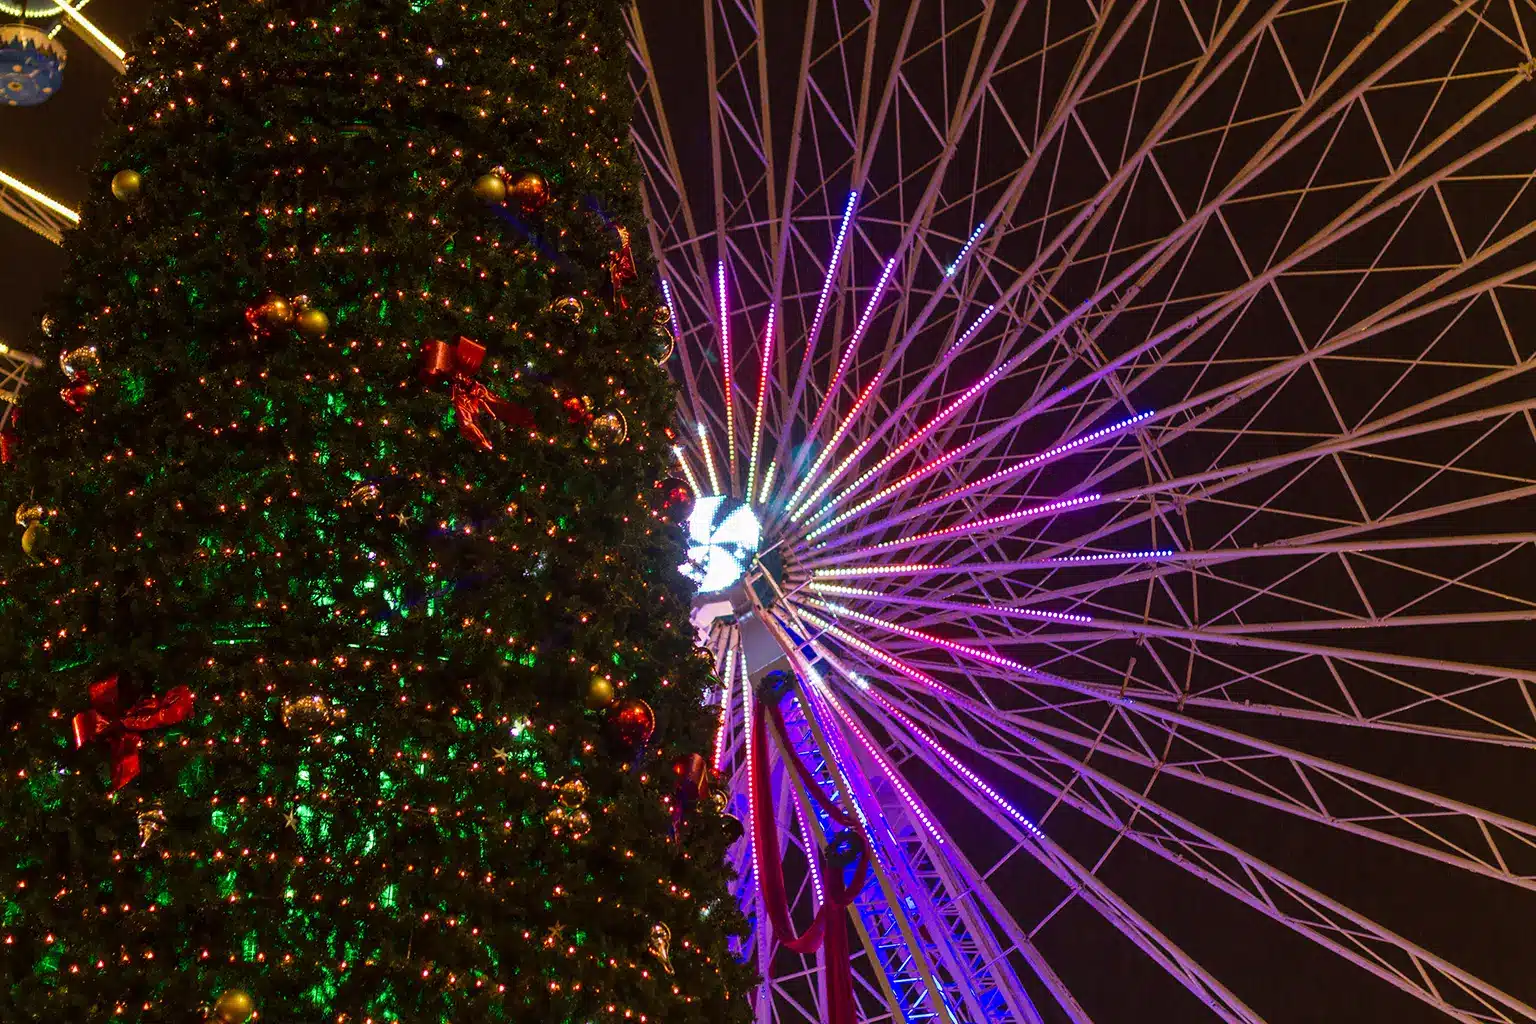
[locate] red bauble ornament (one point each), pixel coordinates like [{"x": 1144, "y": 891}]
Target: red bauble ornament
[
  {"x": 631, "y": 723},
  {"x": 692, "y": 773},
  {"x": 675, "y": 501}
]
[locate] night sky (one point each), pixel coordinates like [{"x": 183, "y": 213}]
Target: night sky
[{"x": 1474, "y": 923}]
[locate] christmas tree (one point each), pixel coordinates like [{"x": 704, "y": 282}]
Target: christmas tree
[{"x": 344, "y": 663}]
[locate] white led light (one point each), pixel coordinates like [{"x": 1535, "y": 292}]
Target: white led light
[{"x": 721, "y": 543}]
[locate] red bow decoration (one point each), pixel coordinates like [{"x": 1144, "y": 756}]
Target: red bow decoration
[
  {"x": 621, "y": 265},
  {"x": 9, "y": 442},
  {"x": 119, "y": 729},
  {"x": 457, "y": 364}
]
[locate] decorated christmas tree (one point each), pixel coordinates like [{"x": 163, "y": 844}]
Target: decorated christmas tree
[{"x": 345, "y": 663}]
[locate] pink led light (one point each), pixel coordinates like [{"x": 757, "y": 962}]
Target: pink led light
[
  {"x": 928, "y": 638},
  {"x": 988, "y": 522},
  {"x": 954, "y": 762},
  {"x": 916, "y": 675},
  {"x": 1028, "y": 613},
  {"x": 725, "y": 359}
]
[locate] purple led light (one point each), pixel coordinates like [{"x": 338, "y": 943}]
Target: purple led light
[
  {"x": 878, "y": 757},
  {"x": 1035, "y": 460},
  {"x": 988, "y": 522},
  {"x": 954, "y": 762}
]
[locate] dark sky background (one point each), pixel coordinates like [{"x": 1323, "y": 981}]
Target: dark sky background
[{"x": 51, "y": 147}]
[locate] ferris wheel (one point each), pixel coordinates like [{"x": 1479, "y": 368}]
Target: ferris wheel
[{"x": 1112, "y": 425}]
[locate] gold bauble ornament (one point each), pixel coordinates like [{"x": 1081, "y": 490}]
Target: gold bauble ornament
[
  {"x": 568, "y": 306},
  {"x": 665, "y": 343},
  {"x": 529, "y": 190},
  {"x": 609, "y": 429},
  {"x": 490, "y": 188},
  {"x": 599, "y": 693},
  {"x": 126, "y": 185},
  {"x": 234, "y": 1006},
  {"x": 365, "y": 493},
  {"x": 80, "y": 364},
  {"x": 34, "y": 540},
  {"x": 275, "y": 311},
  {"x": 577, "y": 824},
  {"x": 661, "y": 315},
  {"x": 572, "y": 792},
  {"x": 28, "y": 513},
  {"x": 312, "y": 322},
  {"x": 309, "y": 712},
  {"x": 49, "y": 325}
]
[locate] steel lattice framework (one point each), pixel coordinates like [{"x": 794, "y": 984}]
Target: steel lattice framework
[{"x": 1134, "y": 402}]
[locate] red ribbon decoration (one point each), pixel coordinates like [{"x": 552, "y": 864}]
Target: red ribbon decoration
[
  {"x": 9, "y": 441},
  {"x": 119, "y": 729},
  {"x": 829, "y": 928},
  {"x": 458, "y": 364}
]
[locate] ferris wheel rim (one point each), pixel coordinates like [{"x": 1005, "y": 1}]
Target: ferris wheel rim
[{"x": 930, "y": 575}]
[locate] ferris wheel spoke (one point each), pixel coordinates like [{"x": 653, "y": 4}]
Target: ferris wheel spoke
[
  {"x": 1293, "y": 782},
  {"x": 1079, "y": 227},
  {"x": 1080, "y": 881},
  {"x": 1149, "y": 264},
  {"x": 1396, "y": 698},
  {"x": 1342, "y": 226},
  {"x": 1266, "y": 889}
]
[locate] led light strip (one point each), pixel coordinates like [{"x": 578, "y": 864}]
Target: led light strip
[
  {"x": 987, "y": 523},
  {"x": 836, "y": 379},
  {"x": 929, "y": 638},
  {"x": 727, "y": 687},
  {"x": 768, "y": 482},
  {"x": 725, "y": 357},
  {"x": 954, "y": 762},
  {"x": 1035, "y": 460},
  {"x": 965, "y": 250},
  {"x": 1039, "y": 613},
  {"x": 682, "y": 461},
  {"x": 886, "y": 770},
  {"x": 672, "y": 321},
  {"x": 762, "y": 402},
  {"x": 709, "y": 460},
  {"x": 837, "y": 255},
  {"x": 969, "y": 488}
]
